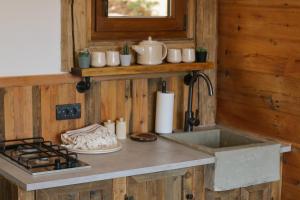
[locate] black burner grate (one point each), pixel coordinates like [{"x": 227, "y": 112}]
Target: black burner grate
[{"x": 35, "y": 153}]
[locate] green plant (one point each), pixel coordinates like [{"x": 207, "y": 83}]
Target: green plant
[
  {"x": 125, "y": 49},
  {"x": 201, "y": 49}
]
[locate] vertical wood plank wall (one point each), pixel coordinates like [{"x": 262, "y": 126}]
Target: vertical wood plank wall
[
  {"x": 27, "y": 111},
  {"x": 27, "y": 104},
  {"x": 259, "y": 74}
]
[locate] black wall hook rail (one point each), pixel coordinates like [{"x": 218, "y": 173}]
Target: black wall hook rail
[{"x": 84, "y": 85}]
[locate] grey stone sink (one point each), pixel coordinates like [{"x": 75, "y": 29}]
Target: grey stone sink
[{"x": 241, "y": 159}]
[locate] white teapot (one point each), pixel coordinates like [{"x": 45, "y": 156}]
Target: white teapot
[{"x": 150, "y": 52}]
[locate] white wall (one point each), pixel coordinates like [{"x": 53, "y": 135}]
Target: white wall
[{"x": 29, "y": 37}]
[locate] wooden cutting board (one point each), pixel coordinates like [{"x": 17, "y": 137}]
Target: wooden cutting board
[{"x": 144, "y": 137}]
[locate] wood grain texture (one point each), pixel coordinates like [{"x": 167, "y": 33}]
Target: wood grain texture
[
  {"x": 258, "y": 77},
  {"x": 28, "y": 107},
  {"x": 262, "y": 192},
  {"x": 154, "y": 85},
  {"x": 265, "y": 191},
  {"x": 90, "y": 191},
  {"x": 175, "y": 84},
  {"x": 36, "y": 111},
  {"x": 23, "y": 81},
  {"x": 24, "y": 195},
  {"x": 119, "y": 188},
  {"x": 108, "y": 100},
  {"x": 80, "y": 26},
  {"x": 66, "y": 36},
  {"x": 18, "y": 112},
  {"x": 188, "y": 183},
  {"x": 56, "y": 95},
  {"x": 141, "y": 69},
  {"x": 31, "y": 110},
  {"x": 140, "y": 105},
  {"x": 8, "y": 190},
  {"x": 107, "y": 28},
  {"x": 128, "y": 105},
  {"x": 158, "y": 186},
  {"x": 207, "y": 36},
  {"x": 92, "y": 104},
  {"x": 226, "y": 195},
  {"x": 2, "y": 116},
  {"x": 198, "y": 184}
]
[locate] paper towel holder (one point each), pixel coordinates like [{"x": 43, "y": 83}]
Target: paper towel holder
[{"x": 164, "y": 110}]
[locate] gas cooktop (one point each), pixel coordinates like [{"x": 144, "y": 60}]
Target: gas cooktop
[{"x": 37, "y": 156}]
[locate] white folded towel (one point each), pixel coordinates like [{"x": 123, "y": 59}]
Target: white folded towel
[{"x": 93, "y": 137}]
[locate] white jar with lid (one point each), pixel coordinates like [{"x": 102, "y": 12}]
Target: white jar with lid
[
  {"x": 121, "y": 129},
  {"x": 110, "y": 125}
]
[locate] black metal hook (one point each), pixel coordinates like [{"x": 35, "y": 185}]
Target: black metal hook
[{"x": 84, "y": 85}]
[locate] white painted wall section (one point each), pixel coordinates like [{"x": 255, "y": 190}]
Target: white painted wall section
[{"x": 29, "y": 37}]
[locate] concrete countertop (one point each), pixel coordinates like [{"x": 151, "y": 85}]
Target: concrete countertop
[{"x": 134, "y": 159}]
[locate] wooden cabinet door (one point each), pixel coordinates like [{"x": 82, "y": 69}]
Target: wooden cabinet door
[
  {"x": 7, "y": 189},
  {"x": 91, "y": 191},
  {"x": 171, "y": 185},
  {"x": 257, "y": 192},
  {"x": 226, "y": 195}
]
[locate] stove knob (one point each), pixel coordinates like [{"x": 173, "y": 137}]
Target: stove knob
[{"x": 57, "y": 164}]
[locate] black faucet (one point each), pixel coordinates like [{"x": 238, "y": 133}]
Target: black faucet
[{"x": 190, "y": 120}]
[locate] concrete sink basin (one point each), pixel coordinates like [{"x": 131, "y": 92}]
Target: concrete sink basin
[{"x": 241, "y": 160}]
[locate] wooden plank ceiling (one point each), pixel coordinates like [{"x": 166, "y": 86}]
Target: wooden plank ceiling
[{"x": 259, "y": 74}]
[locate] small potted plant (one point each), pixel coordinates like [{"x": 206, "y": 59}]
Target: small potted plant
[
  {"x": 125, "y": 55},
  {"x": 201, "y": 54},
  {"x": 84, "y": 59}
]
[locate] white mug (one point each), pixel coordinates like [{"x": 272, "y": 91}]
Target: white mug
[
  {"x": 113, "y": 58},
  {"x": 174, "y": 56},
  {"x": 98, "y": 59},
  {"x": 188, "y": 55}
]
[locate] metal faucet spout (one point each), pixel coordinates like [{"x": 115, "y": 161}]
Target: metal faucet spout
[
  {"x": 190, "y": 79},
  {"x": 208, "y": 83}
]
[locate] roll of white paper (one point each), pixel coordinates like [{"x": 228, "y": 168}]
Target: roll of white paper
[{"x": 164, "y": 113}]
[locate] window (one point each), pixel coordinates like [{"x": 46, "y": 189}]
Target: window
[
  {"x": 138, "y": 8},
  {"x": 137, "y": 19}
]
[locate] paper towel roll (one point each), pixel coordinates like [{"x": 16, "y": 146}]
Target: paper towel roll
[{"x": 164, "y": 113}]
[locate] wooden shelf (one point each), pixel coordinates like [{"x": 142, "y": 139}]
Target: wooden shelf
[{"x": 141, "y": 69}]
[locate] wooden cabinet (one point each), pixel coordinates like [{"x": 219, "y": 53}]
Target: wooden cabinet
[
  {"x": 179, "y": 184},
  {"x": 9, "y": 191},
  {"x": 226, "y": 195},
  {"x": 182, "y": 184},
  {"x": 267, "y": 191},
  {"x": 101, "y": 190},
  {"x": 173, "y": 185},
  {"x": 259, "y": 192}
]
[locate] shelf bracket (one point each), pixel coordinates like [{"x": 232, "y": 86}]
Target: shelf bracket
[{"x": 84, "y": 85}]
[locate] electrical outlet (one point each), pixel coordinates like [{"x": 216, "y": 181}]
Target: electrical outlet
[{"x": 68, "y": 111}]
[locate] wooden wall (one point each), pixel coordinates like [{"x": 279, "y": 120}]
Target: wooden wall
[
  {"x": 259, "y": 74},
  {"x": 29, "y": 110},
  {"x": 27, "y": 104}
]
